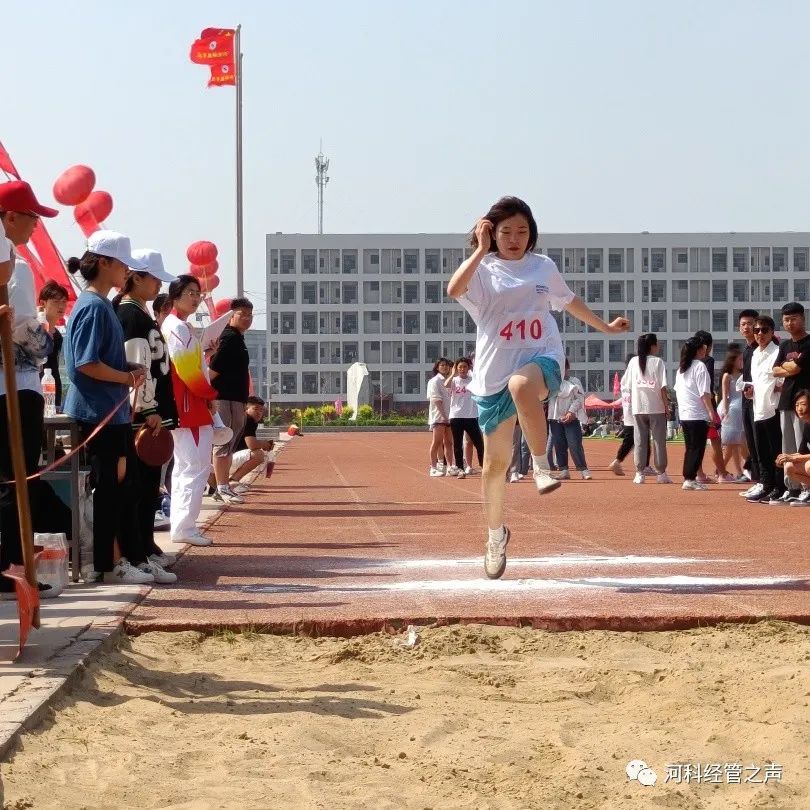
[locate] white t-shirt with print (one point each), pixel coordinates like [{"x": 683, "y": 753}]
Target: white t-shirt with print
[
  {"x": 511, "y": 303},
  {"x": 645, "y": 388},
  {"x": 627, "y": 401},
  {"x": 690, "y": 386},
  {"x": 461, "y": 401},
  {"x": 436, "y": 390}
]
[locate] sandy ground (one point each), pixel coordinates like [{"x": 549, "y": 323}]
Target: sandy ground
[{"x": 470, "y": 717}]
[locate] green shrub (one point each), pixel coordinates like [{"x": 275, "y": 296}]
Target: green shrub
[
  {"x": 348, "y": 413},
  {"x": 365, "y": 412},
  {"x": 310, "y": 416},
  {"x": 328, "y": 413}
]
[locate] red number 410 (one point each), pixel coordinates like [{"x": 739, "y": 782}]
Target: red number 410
[{"x": 515, "y": 329}]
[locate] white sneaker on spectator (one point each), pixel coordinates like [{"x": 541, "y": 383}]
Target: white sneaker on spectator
[
  {"x": 561, "y": 475},
  {"x": 638, "y": 478},
  {"x": 803, "y": 499},
  {"x": 195, "y": 538},
  {"x": 161, "y": 577},
  {"x": 161, "y": 521},
  {"x": 124, "y": 573},
  {"x": 468, "y": 470},
  {"x": 586, "y": 474},
  {"x": 460, "y": 474},
  {"x": 649, "y": 470},
  {"x": 695, "y": 486},
  {"x": 544, "y": 482},
  {"x": 228, "y": 495},
  {"x": 615, "y": 467},
  {"x": 728, "y": 478},
  {"x": 663, "y": 478},
  {"x": 514, "y": 478},
  {"x": 240, "y": 489},
  {"x": 163, "y": 560},
  {"x": 435, "y": 472},
  {"x": 441, "y": 467},
  {"x": 751, "y": 492},
  {"x": 452, "y": 470}
]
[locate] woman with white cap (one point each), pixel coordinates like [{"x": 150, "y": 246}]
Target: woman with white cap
[
  {"x": 153, "y": 403},
  {"x": 100, "y": 379},
  {"x": 194, "y": 396}
]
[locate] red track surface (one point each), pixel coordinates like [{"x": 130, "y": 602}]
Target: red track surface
[{"x": 351, "y": 536}]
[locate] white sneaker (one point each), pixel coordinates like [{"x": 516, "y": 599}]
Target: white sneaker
[
  {"x": 615, "y": 467},
  {"x": 544, "y": 482},
  {"x": 468, "y": 470},
  {"x": 638, "y": 478},
  {"x": 453, "y": 470},
  {"x": 161, "y": 521},
  {"x": 649, "y": 471},
  {"x": 229, "y": 496},
  {"x": 442, "y": 468},
  {"x": 586, "y": 474},
  {"x": 495, "y": 556},
  {"x": 514, "y": 478},
  {"x": 163, "y": 560},
  {"x": 663, "y": 478},
  {"x": 435, "y": 472},
  {"x": 802, "y": 500},
  {"x": 195, "y": 538},
  {"x": 461, "y": 474},
  {"x": 753, "y": 491},
  {"x": 240, "y": 489},
  {"x": 561, "y": 475},
  {"x": 124, "y": 573},
  {"x": 161, "y": 577},
  {"x": 695, "y": 486}
]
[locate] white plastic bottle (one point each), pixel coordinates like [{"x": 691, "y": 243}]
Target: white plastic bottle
[{"x": 49, "y": 392}]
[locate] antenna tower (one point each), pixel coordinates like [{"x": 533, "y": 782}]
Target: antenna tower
[{"x": 321, "y": 179}]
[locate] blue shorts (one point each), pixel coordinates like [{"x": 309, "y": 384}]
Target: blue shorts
[{"x": 497, "y": 408}]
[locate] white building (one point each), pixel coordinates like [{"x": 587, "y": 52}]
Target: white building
[{"x": 381, "y": 299}]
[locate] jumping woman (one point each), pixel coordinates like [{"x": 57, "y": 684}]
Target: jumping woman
[{"x": 510, "y": 291}]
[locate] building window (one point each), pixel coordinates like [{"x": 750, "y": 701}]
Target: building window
[
  {"x": 740, "y": 292},
  {"x": 719, "y": 320},
  {"x": 289, "y": 383},
  {"x": 800, "y": 260},
  {"x": 309, "y": 353},
  {"x": 720, "y": 290},
  {"x": 349, "y": 261},
  {"x": 287, "y": 261},
  {"x": 411, "y": 261},
  {"x": 595, "y": 294},
  {"x": 658, "y": 260},
  {"x": 801, "y": 289},
  {"x": 739, "y": 260},
  {"x": 371, "y": 292},
  {"x": 680, "y": 320},
  {"x": 412, "y": 354},
  {"x": 309, "y": 261},
  {"x": 411, "y": 292},
  {"x": 413, "y": 385},
  {"x": 719, "y": 260},
  {"x": 595, "y": 351},
  {"x": 699, "y": 291},
  {"x": 287, "y": 292},
  {"x": 615, "y": 260},
  {"x": 412, "y": 323},
  {"x": 433, "y": 292},
  {"x": 433, "y": 325},
  {"x": 699, "y": 319},
  {"x": 680, "y": 291},
  {"x": 594, "y": 261},
  {"x": 596, "y": 381},
  {"x": 288, "y": 321}
]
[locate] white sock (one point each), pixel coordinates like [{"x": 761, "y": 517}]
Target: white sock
[
  {"x": 496, "y": 534},
  {"x": 540, "y": 462}
]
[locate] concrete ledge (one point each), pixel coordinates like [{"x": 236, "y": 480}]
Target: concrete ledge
[{"x": 364, "y": 429}]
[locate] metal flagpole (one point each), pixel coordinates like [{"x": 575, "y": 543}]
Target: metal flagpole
[{"x": 240, "y": 270}]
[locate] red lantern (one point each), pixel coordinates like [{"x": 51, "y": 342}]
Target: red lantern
[
  {"x": 100, "y": 205},
  {"x": 201, "y": 252},
  {"x": 85, "y": 219},
  {"x": 202, "y": 270},
  {"x": 221, "y": 307},
  {"x": 208, "y": 284},
  {"x": 74, "y": 185}
]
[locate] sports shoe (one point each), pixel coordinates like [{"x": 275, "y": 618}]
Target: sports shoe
[
  {"x": 762, "y": 495},
  {"x": 161, "y": 521},
  {"x": 161, "y": 577},
  {"x": 544, "y": 482},
  {"x": 561, "y": 475},
  {"x": 757, "y": 489},
  {"x": 694, "y": 486},
  {"x": 649, "y": 471},
  {"x": 495, "y": 556},
  {"x": 586, "y": 474},
  {"x": 442, "y": 467},
  {"x": 461, "y": 474},
  {"x": 453, "y": 470},
  {"x": 8, "y": 592},
  {"x": 615, "y": 467},
  {"x": 638, "y": 478},
  {"x": 803, "y": 499},
  {"x": 514, "y": 478},
  {"x": 124, "y": 573},
  {"x": 777, "y": 498},
  {"x": 435, "y": 472},
  {"x": 727, "y": 478},
  {"x": 741, "y": 479},
  {"x": 229, "y": 496},
  {"x": 163, "y": 560},
  {"x": 663, "y": 478},
  {"x": 706, "y": 479},
  {"x": 240, "y": 489},
  {"x": 195, "y": 538},
  {"x": 468, "y": 470}
]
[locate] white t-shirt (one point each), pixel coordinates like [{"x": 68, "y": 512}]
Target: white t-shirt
[
  {"x": 645, "y": 389},
  {"x": 5, "y": 248},
  {"x": 461, "y": 401},
  {"x": 511, "y": 303},
  {"x": 627, "y": 402},
  {"x": 766, "y": 397},
  {"x": 690, "y": 386},
  {"x": 436, "y": 390},
  {"x": 570, "y": 398}
]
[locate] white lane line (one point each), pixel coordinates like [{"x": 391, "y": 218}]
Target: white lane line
[
  {"x": 373, "y": 525},
  {"x": 556, "y": 560},
  {"x": 447, "y": 586}
]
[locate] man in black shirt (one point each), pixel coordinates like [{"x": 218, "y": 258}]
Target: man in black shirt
[
  {"x": 52, "y": 303},
  {"x": 250, "y": 451},
  {"x": 746, "y": 326},
  {"x": 230, "y": 375},
  {"x": 792, "y": 366}
]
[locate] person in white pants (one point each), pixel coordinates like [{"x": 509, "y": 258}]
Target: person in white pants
[{"x": 194, "y": 395}]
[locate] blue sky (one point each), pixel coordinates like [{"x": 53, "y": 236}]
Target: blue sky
[{"x": 605, "y": 116}]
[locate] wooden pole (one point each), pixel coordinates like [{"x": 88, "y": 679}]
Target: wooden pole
[{"x": 17, "y": 454}]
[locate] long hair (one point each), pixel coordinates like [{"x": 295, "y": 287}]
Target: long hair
[
  {"x": 438, "y": 363},
  {"x": 643, "y": 346},
  {"x": 689, "y": 352},
  {"x": 733, "y": 352},
  {"x": 503, "y": 209}
]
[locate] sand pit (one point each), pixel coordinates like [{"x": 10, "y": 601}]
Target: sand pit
[{"x": 470, "y": 717}]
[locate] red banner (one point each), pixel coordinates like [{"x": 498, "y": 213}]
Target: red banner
[
  {"x": 222, "y": 75},
  {"x": 214, "y": 47}
]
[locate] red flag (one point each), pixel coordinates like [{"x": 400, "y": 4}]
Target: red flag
[
  {"x": 214, "y": 47},
  {"x": 616, "y": 384},
  {"x": 222, "y": 75}
]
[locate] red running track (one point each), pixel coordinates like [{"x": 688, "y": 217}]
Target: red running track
[{"x": 351, "y": 535}]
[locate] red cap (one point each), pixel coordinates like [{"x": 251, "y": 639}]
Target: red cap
[{"x": 17, "y": 196}]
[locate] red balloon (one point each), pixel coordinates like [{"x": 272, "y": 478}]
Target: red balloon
[
  {"x": 202, "y": 270},
  {"x": 74, "y": 185},
  {"x": 84, "y": 217},
  {"x": 221, "y": 307},
  {"x": 201, "y": 252},
  {"x": 100, "y": 205},
  {"x": 208, "y": 284}
]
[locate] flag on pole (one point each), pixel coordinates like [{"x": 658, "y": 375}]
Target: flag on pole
[
  {"x": 616, "y": 384},
  {"x": 216, "y": 47}
]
